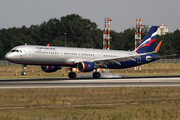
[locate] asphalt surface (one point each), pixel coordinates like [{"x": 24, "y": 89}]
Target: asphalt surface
[{"x": 141, "y": 81}]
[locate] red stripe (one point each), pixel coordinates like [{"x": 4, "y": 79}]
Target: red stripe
[{"x": 148, "y": 44}]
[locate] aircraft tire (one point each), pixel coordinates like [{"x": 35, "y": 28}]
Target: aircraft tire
[
  {"x": 96, "y": 75},
  {"x": 23, "y": 73},
  {"x": 72, "y": 75}
]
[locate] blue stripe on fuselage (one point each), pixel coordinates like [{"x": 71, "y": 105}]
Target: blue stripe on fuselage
[{"x": 130, "y": 63}]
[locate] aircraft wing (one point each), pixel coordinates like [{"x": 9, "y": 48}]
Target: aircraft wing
[{"x": 117, "y": 60}]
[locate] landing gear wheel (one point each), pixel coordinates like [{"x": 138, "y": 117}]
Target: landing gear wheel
[
  {"x": 23, "y": 73},
  {"x": 72, "y": 75},
  {"x": 96, "y": 75},
  {"x": 24, "y": 68}
]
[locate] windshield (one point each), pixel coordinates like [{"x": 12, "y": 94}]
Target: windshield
[
  {"x": 16, "y": 51},
  {"x": 13, "y": 50}
]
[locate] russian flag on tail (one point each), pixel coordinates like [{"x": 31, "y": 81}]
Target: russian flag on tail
[{"x": 147, "y": 44}]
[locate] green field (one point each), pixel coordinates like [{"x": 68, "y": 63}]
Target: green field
[
  {"x": 7, "y": 72},
  {"x": 90, "y": 103}
]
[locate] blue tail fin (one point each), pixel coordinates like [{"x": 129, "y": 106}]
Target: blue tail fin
[{"x": 147, "y": 44}]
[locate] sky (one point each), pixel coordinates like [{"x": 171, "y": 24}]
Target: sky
[{"x": 16, "y": 13}]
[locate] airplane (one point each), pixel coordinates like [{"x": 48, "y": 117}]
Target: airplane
[{"x": 52, "y": 58}]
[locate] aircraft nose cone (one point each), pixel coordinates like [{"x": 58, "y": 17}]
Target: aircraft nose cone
[{"x": 8, "y": 57}]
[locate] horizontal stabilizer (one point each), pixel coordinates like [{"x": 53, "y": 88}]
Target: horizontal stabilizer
[
  {"x": 168, "y": 55},
  {"x": 165, "y": 56}
]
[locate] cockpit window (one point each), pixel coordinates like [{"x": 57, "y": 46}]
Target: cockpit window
[
  {"x": 16, "y": 51},
  {"x": 13, "y": 50}
]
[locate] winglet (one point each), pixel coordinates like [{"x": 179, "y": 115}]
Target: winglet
[
  {"x": 158, "y": 47},
  {"x": 48, "y": 45}
]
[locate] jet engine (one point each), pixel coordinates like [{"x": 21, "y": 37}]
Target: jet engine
[
  {"x": 85, "y": 66},
  {"x": 45, "y": 68}
]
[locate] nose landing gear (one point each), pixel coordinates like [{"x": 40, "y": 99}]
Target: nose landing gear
[{"x": 24, "y": 68}]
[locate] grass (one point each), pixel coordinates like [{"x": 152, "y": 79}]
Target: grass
[
  {"x": 8, "y": 72},
  {"x": 169, "y": 111},
  {"x": 90, "y": 103}
]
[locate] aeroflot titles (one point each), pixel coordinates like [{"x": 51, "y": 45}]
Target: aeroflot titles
[{"x": 46, "y": 48}]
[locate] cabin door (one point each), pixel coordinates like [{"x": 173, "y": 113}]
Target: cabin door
[
  {"x": 29, "y": 51},
  {"x": 61, "y": 54}
]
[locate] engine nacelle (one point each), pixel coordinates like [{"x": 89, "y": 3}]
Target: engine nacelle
[
  {"x": 45, "y": 68},
  {"x": 85, "y": 66}
]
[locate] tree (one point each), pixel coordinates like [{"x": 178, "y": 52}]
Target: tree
[{"x": 82, "y": 33}]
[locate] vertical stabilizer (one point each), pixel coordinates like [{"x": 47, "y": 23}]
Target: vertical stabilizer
[{"x": 147, "y": 44}]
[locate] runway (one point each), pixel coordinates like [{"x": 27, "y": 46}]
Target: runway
[{"x": 149, "y": 81}]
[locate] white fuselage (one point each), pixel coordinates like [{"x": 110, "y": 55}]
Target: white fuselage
[{"x": 64, "y": 56}]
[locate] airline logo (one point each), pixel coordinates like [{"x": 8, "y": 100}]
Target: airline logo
[
  {"x": 45, "y": 48},
  {"x": 148, "y": 41}
]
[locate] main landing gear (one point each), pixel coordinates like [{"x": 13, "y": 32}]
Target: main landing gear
[
  {"x": 24, "y": 68},
  {"x": 96, "y": 75},
  {"x": 72, "y": 75}
]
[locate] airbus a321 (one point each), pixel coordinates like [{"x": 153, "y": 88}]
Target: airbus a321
[{"x": 52, "y": 58}]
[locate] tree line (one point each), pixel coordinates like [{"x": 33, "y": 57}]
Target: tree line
[{"x": 79, "y": 32}]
